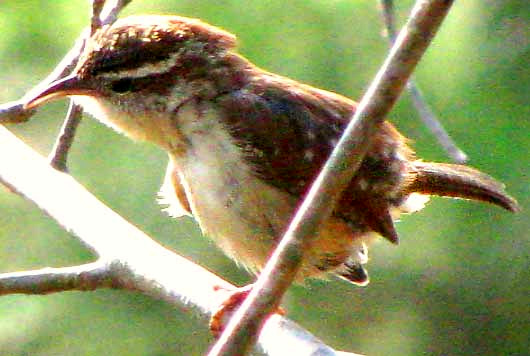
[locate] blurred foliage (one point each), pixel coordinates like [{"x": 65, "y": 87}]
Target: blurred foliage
[{"x": 457, "y": 285}]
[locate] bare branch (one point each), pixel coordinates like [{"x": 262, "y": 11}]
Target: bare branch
[
  {"x": 63, "y": 143},
  {"x": 14, "y": 112},
  {"x": 133, "y": 260},
  {"x": 65, "y": 66},
  {"x": 275, "y": 343},
  {"x": 243, "y": 328},
  {"x": 89, "y": 276},
  {"x": 110, "y": 13},
  {"x": 434, "y": 125},
  {"x": 425, "y": 112},
  {"x": 387, "y": 10},
  {"x": 59, "y": 154},
  {"x": 95, "y": 19}
]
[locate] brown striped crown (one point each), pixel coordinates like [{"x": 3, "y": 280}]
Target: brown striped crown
[{"x": 140, "y": 41}]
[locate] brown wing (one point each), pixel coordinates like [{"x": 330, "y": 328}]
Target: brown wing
[
  {"x": 287, "y": 132},
  {"x": 283, "y": 137}
]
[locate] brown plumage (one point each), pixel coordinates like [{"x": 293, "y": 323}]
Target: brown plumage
[
  {"x": 245, "y": 144},
  {"x": 458, "y": 181}
]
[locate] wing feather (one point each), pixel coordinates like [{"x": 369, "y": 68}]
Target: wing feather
[{"x": 288, "y": 131}]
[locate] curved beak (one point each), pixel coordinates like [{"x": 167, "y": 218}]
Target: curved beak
[{"x": 67, "y": 86}]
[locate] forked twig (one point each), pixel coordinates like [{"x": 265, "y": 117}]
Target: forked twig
[{"x": 127, "y": 258}]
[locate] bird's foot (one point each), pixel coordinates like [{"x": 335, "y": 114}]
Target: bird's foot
[{"x": 227, "y": 308}]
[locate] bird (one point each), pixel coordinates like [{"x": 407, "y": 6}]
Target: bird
[{"x": 245, "y": 144}]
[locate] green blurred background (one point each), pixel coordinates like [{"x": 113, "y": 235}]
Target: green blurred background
[{"x": 458, "y": 284}]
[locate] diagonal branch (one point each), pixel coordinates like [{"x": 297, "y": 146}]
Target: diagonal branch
[
  {"x": 13, "y": 112},
  {"x": 95, "y": 19},
  {"x": 110, "y": 13},
  {"x": 129, "y": 259},
  {"x": 425, "y": 112},
  {"x": 243, "y": 328}
]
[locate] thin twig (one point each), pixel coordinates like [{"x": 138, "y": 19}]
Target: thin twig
[
  {"x": 110, "y": 13},
  {"x": 388, "y": 11},
  {"x": 95, "y": 19},
  {"x": 63, "y": 143},
  {"x": 426, "y": 114},
  {"x": 434, "y": 125},
  {"x": 89, "y": 276},
  {"x": 67, "y": 64},
  {"x": 136, "y": 261},
  {"x": 14, "y": 112},
  {"x": 59, "y": 154},
  {"x": 243, "y": 328}
]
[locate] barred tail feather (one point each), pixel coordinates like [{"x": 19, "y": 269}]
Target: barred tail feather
[{"x": 453, "y": 180}]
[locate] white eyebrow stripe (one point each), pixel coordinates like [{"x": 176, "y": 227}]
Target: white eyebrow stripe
[{"x": 146, "y": 69}]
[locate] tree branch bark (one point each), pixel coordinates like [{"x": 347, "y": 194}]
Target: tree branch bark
[
  {"x": 128, "y": 259},
  {"x": 89, "y": 276}
]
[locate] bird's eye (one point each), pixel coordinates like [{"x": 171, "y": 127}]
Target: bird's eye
[{"x": 122, "y": 86}]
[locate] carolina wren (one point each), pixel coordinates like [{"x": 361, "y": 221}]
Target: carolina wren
[{"x": 244, "y": 144}]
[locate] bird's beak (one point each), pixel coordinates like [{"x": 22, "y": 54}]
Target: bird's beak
[{"x": 67, "y": 86}]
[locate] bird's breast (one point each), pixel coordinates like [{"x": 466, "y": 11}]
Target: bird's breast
[
  {"x": 241, "y": 213},
  {"x": 244, "y": 214}
]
